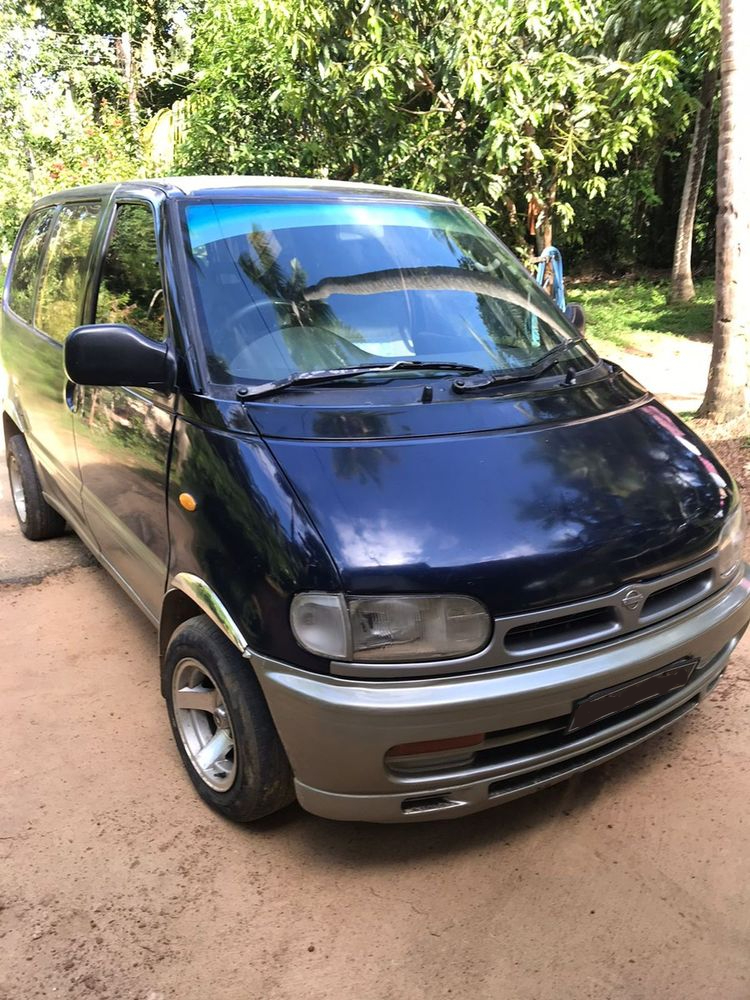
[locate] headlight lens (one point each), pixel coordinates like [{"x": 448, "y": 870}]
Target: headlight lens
[
  {"x": 389, "y": 629},
  {"x": 731, "y": 544}
]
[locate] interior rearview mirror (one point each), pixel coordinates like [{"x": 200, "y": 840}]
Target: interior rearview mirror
[
  {"x": 111, "y": 354},
  {"x": 575, "y": 314}
]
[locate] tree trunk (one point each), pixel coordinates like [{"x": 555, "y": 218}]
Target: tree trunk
[
  {"x": 549, "y": 208},
  {"x": 540, "y": 219},
  {"x": 547, "y": 227},
  {"x": 681, "y": 288},
  {"x": 124, "y": 46},
  {"x": 727, "y": 377},
  {"x": 31, "y": 170}
]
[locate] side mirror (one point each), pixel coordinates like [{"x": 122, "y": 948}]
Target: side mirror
[
  {"x": 574, "y": 314},
  {"x": 109, "y": 354}
]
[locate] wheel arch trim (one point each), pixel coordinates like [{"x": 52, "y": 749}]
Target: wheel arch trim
[
  {"x": 205, "y": 598},
  {"x": 10, "y": 412}
]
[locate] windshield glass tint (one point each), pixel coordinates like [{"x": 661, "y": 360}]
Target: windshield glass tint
[{"x": 299, "y": 287}]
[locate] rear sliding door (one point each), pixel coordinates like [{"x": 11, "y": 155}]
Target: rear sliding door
[{"x": 44, "y": 303}]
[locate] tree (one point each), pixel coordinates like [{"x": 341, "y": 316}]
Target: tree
[
  {"x": 509, "y": 107},
  {"x": 681, "y": 288},
  {"x": 703, "y": 38},
  {"x": 79, "y": 79},
  {"x": 690, "y": 27},
  {"x": 143, "y": 62},
  {"x": 726, "y": 393},
  {"x": 50, "y": 139}
]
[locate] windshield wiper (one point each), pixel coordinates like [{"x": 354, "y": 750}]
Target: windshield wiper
[
  {"x": 521, "y": 374},
  {"x": 336, "y": 374}
]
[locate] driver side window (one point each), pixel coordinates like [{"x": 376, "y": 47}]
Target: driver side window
[{"x": 130, "y": 288}]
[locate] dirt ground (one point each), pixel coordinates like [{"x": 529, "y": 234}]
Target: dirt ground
[
  {"x": 675, "y": 369},
  {"x": 630, "y": 882}
]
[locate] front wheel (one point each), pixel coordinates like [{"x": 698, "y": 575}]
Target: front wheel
[{"x": 222, "y": 726}]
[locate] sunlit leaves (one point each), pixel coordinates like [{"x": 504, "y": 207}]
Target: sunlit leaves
[{"x": 493, "y": 101}]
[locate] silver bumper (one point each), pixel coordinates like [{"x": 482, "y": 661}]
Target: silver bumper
[{"x": 337, "y": 731}]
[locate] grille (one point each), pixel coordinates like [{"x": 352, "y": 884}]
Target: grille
[
  {"x": 556, "y": 633},
  {"x": 585, "y": 623},
  {"x": 672, "y": 599},
  {"x": 548, "y": 774}
]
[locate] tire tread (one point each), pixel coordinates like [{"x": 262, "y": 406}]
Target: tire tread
[
  {"x": 264, "y": 782},
  {"x": 42, "y": 520}
]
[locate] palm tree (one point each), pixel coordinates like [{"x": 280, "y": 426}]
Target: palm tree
[{"x": 727, "y": 379}]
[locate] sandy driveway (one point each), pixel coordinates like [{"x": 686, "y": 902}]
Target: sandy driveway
[{"x": 632, "y": 881}]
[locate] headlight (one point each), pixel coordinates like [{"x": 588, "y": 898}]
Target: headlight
[
  {"x": 389, "y": 629},
  {"x": 731, "y": 544}
]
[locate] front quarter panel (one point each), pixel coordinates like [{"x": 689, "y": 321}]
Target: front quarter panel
[{"x": 248, "y": 538}]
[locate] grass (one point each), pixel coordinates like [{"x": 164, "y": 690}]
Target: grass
[{"x": 627, "y": 313}]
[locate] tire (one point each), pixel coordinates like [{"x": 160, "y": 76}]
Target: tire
[
  {"x": 36, "y": 519},
  {"x": 245, "y": 773}
]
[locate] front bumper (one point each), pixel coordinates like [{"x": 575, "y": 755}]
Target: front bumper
[{"x": 337, "y": 731}]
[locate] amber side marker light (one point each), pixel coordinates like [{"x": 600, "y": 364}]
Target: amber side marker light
[
  {"x": 187, "y": 501},
  {"x": 435, "y": 746}
]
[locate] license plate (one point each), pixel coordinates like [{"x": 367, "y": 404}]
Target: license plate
[{"x": 612, "y": 700}]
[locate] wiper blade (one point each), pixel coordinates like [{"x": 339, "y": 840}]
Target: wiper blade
[
  {"x": 526, "y": 373},
  {"x": 336, "y": 374}
]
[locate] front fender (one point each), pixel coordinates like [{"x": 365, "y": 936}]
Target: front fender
[{"x": 248, "y": 546}]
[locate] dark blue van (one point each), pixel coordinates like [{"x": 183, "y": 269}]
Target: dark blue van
[{"x": 412, "y": 548}]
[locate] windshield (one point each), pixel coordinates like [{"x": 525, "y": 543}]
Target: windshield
[{"x": 309, "y": 286}]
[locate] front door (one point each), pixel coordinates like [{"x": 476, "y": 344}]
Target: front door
[{"x": 123, "y": 434}]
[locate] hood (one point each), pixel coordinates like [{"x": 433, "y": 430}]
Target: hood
[{"x": 522, "y": 503}]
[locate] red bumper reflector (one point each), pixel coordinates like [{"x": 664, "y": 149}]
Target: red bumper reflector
[{"x": 434, "y": 746}]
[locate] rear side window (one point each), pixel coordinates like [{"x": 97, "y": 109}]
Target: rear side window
[
  {"x": 130, "y": 289},
  {"x": 26, "y": 264},
  {"x": 63, "y": 274}
]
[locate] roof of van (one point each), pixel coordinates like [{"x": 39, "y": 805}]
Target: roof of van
[{"x": 246, "y": 185}]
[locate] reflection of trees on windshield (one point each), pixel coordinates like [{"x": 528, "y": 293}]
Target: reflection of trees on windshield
[
  {"x": 509, "y": 325},
  {"x": 261, "y": 265},
  {"x": 298, "y": 296},
  {"x": 297, "y": 303},
  {"x": 326, "y": 342},
  {"x": 505, "y": 311}
]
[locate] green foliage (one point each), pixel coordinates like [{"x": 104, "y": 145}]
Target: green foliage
[
  {"x": 499, "y": 104},
  {"x": 71, "y": 148},
  {"x": 89, "y": 35},
  {"x": 71, "y": 107},
  {"x": 571, "y": 112},
  {"x": 692, "y": 26},
  {"x": 97, "y": 150}
]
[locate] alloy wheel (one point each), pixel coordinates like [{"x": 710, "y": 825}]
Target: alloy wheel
[
  {"x": 16, "y": 488},
  {"x": 204, "y": 724}
]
